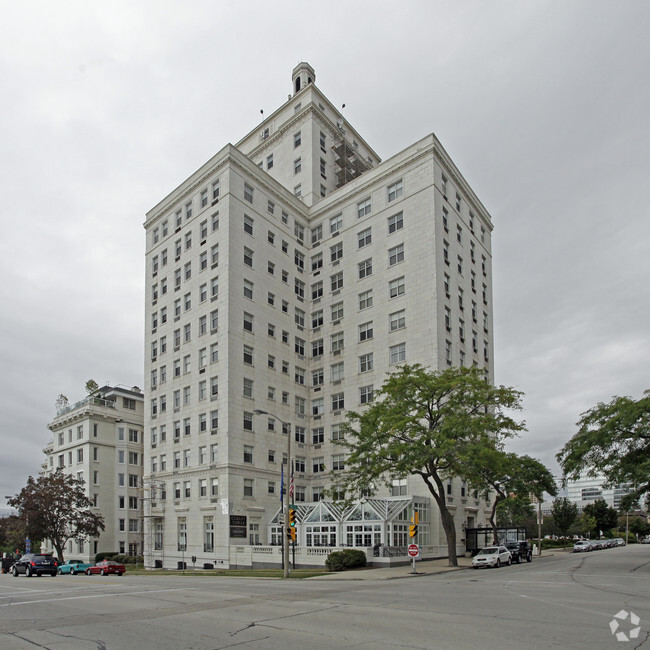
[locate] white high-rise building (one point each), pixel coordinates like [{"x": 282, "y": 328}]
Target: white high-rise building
[
  {"x": 289, "y": 274},
  {"x": 100, "y": 440}
]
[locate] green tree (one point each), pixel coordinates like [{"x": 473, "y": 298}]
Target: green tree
[
  {"x": 91, "y": 387},
  {"x": 564, "y": 513},
  {"x": 514, "y": 511},
  {"x": 614, "y": 440},
  {"x": 605, "y": 517},
  {"x": 13, "y": 530},
  {"x": 427, "y": 424},
  {"x": 586, "y": 524},
  {"x": 508, "y": 476},
  {"x": 55, "y": 507}
]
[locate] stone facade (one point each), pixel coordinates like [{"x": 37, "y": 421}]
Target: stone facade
[
  {"x": 289, "y": 274},
  {"x": 100, "y": 440}
]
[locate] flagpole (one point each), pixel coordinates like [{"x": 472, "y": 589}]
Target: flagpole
[{"x": 285, "y": 526}]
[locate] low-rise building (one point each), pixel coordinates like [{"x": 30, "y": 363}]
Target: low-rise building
[{"x": 99, "y": 440}]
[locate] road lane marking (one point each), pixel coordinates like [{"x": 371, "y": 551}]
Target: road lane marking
[{"x": 126, "y": 593}]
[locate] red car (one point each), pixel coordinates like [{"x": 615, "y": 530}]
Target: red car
[{"x": 105, "y": 567}]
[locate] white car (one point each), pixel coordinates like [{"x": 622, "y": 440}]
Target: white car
[
  {"x": 492, "y": 556},
  {"x": 582, "y": 545}
]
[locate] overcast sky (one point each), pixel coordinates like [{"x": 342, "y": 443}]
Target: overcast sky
[{"x": 106, "y": 107}]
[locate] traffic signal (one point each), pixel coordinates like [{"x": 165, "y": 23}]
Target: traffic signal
[
  {"x": 292, "y": 518},
  {"x": 291, "y": 534},
  {"x": 413, "y": 528}
]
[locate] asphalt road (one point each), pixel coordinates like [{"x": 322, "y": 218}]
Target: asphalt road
[{"x": 564, "y": 601}]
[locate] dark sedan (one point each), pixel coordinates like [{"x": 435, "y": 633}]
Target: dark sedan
[{"x": 35, "y": 564}]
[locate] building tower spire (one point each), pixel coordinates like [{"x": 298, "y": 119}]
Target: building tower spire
[{"x": 303, "y": 74}]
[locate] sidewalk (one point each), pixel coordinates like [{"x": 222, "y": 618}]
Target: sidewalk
[{"x": 423, "y": 568}]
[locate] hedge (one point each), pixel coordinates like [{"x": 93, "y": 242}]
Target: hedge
[{"x": 349, "y": 558}]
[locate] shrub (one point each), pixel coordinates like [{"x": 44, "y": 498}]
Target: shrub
[
  {"x": 349, "y": 558},
  {"x": 105, "y": 555}
]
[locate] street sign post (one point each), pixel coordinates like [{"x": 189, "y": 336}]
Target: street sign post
[{"x": 414, "y": 552}]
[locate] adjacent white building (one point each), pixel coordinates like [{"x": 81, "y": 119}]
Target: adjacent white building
[
  {"x": 100, "y": 440},
  {"x": 289, "y": 274}
]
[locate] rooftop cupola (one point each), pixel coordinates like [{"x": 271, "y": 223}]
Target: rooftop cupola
[{"x": 303, "y": 75}]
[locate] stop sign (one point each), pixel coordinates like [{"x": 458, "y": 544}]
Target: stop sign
[{"x": 414, "y": 550}]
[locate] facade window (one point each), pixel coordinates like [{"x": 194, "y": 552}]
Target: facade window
[
  {"x": 248, "y": 322},
  {"x": 299, "y": 288},
  {"x": 365, "y": 299},
  {"x": 338, "y": 461},
  {"x": 317, "y": 234},
  {"x": 248, "y": 193},
  {"x": 364, "y": 208},
  {"x": 336, "y": 251},
  {"x": 337, "y": 311},
  {"x": 338, "y": 401},
  {"x": 317, "y": 319},
  {"x": 214, "y": 386},
  {"x": 248, "y": 454},
  {"x": 396, "y": 254},
  {"x": 366, "y": 394},
  {"x": 317, "y": 348},
  {"x": 365, "y": 331},
  {"x": 323, "y": 168},
  {"x": 269, "y": 161},
  {"x": 395, "y": 223},
  {"x": 336, "y": 224},
  {"x": 249, "y": 487},
  {"x": 248, "y": 421},
  {"x": 248, "y": 224},
  {"x": 395, "y": 191},
  {"x": 317, "y": 377},
  {"x": 248, "y": 257},
  {"x": 297, "y": 165},
  {"x": 365, "y": 269},
  {"x": 366, "y": 362},
  {"x": 248, "y": 388},
  {"x": 297, "y": 190},
  {"x": 317, "y": 290},
  {"x": 364, "y": 237},
  {"x": 297, "y": 139},
  {"x": 248, "y": 289},
  {"x": 337, "y": 281},
  {"x": 397, "y": 353},
  {"x": 448, "y": 319},
  {"x": 397, "y": 320},
  {"x": 337, "y": 371},
  {"x": 317, "y": 406},
  {"x": 337, "y": 341}
]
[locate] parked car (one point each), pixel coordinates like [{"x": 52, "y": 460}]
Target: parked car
[
  {"x": 35, "y": 564},
  {"x": 520, "y": 551},
  {"x": 106, "y": 567},
  {"x": 582, "y": 546},
  {"x": 73, "y": 567},
  {"x": 492, "y": 556}
]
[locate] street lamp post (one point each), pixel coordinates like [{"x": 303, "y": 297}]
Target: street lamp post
[{"x": 285, "y": 544}]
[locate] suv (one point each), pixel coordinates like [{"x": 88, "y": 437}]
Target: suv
[
  {"x": 35, "y": 564},
  {"x": 520, "y": 551}
]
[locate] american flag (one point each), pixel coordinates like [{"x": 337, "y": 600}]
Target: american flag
[{"x": 291, "y": 484}]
